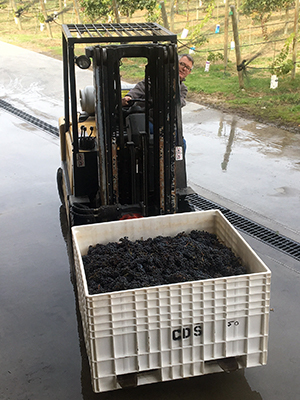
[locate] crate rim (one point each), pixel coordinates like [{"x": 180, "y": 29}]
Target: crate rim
[{"x": 266, "y": 273}]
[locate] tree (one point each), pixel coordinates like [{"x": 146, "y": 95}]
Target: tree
[
  {"x": 95, "y": 9},
  {"x": 196, "y": 35},
  {"x": 128, "y": 7},
  {"x": 281, "y": 65},
  {"x": 261, "y": 10}
]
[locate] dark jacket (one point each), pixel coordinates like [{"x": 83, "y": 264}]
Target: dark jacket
[{"x": 138, "y": 92}]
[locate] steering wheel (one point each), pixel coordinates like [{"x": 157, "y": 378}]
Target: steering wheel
[
  {"x": 131, "y": 102},
  {"x": 132, "y": 108}
]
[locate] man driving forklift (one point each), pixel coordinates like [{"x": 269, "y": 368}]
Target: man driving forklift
[
  {"x": 186, "y": 63},
  {"x": 185, "y": 66}
]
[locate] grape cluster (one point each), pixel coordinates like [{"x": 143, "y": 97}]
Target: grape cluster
[{"x": 163, "y": 260}]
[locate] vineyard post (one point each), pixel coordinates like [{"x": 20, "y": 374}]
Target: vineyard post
[
  {"x": 237, "y": 46},
  {"x": 172, "y": 14},
  {"x": 286, "y": 21},
  {"x": 76, "y": 9},
  {"x": 226, "y": 33},
  {"x": 164, "y": 14},
  {"x": 43, "y": 7},
  {"x": 116, "y": 11},
  {"x": 296, "y": 24},
  {"x": 61, "y": 13}
]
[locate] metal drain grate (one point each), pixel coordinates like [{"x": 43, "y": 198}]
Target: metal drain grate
[
  {"x": 279, "y": 242},
  {"x": 29, "y": 118}
]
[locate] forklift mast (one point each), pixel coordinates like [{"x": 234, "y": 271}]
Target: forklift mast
[{"x": 136, "y": 161}]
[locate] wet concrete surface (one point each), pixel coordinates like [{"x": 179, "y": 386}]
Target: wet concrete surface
[
  {"x": 251, "y": 164},
  {"x": 41, "y": 345}
]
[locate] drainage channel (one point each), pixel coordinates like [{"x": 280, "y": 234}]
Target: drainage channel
[
  {"x": 272, "y": 238},
  {"x": 29, "y": 118},
  {"x": 266, "y": 235}
]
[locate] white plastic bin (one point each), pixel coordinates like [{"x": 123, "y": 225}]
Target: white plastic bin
[{"x": 181, "y": 330}]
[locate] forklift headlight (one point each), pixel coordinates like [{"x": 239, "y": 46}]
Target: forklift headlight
[{"x": 83, "y": 62}]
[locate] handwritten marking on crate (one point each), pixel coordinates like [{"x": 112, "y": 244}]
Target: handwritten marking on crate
[{"x": 231, "y": 323}]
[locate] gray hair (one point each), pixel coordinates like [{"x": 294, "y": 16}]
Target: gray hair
[{"x": 188, "y": 56}]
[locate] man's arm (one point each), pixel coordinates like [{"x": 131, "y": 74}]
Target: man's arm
[
  {"x": 138, "y": 92},
  {"x": 183, "y": 94}
]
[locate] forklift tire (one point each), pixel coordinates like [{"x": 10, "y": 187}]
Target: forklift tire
[{"x": 59, "y": 181}]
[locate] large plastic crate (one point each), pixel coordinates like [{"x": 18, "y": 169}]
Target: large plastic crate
[{"x": 181, "y": 330}]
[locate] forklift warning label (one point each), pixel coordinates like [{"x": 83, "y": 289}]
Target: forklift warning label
[{"x": 179, "y": 155}]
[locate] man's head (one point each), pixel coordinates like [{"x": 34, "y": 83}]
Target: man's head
[{"x": 186, "y": 63}]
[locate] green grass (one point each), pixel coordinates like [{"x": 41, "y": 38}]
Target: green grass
[
  {"x": 133, "y": 69},
  {"x": 280, "y": 105},
  {"x": 212, "y": 81}
]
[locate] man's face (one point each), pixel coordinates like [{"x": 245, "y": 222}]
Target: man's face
[{"x": 185, "y": 68}]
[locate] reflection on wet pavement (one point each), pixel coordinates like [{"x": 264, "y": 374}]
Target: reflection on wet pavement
[
  {"x": 246, "y": 162},
  {"x": 229, "y": 143}
]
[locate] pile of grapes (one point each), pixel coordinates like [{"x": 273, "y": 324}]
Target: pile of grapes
[{"x": 163, "y": 260}]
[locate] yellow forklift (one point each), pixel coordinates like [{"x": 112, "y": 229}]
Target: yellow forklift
[{"x": 113, "y": 166}]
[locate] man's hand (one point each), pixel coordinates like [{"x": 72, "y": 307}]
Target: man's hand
[{"x": 125, "y": 101}]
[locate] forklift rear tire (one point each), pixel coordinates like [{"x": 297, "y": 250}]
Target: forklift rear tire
[{"x": 59, "y": 181}]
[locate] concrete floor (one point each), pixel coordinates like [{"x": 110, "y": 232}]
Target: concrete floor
[{"x": 42, "y": 349}]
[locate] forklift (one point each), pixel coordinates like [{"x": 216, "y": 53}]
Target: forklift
[{"x": 113, "y": 166}]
